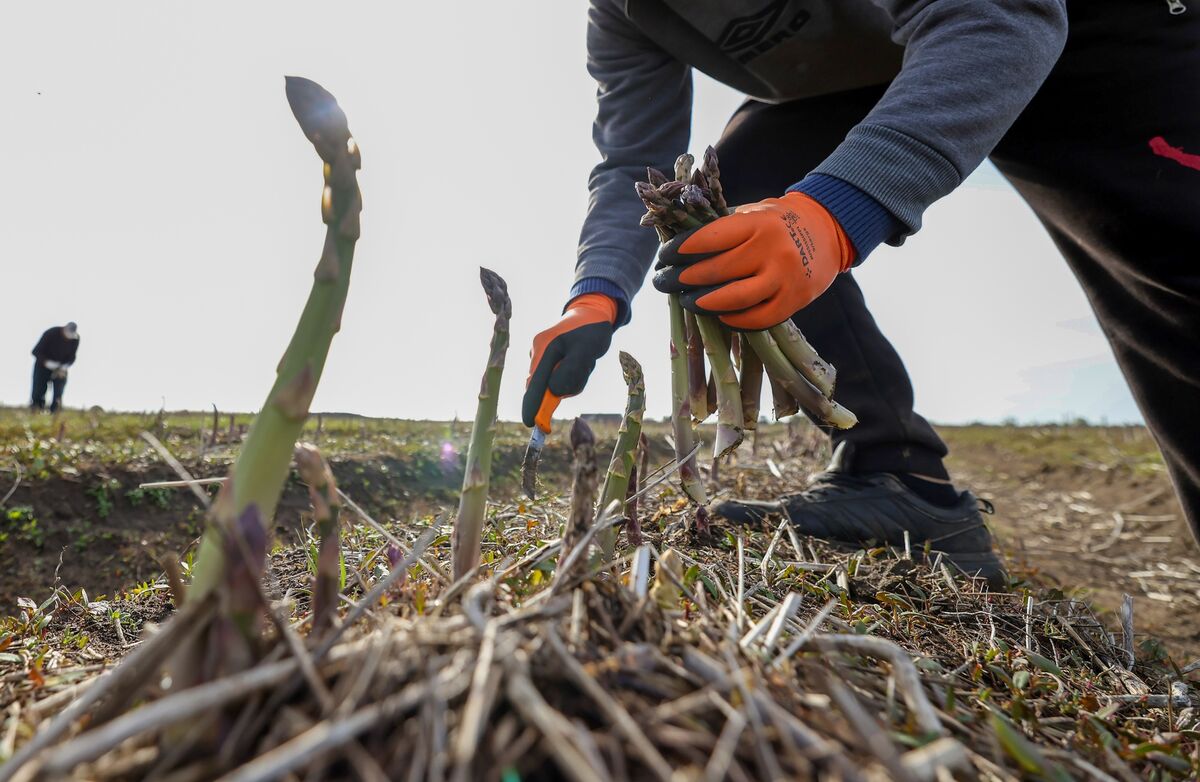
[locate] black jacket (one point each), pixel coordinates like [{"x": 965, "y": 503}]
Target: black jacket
[{"x": 55, "y": 346}]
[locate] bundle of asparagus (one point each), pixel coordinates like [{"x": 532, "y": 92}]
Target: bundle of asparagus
[{"x": 799, "y": 378}]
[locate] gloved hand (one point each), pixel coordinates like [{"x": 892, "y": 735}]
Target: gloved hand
[
  {"x": 48, "y": 364},
  {"x": 564, "y": 355},
  {"x": 759, "y": 266}
]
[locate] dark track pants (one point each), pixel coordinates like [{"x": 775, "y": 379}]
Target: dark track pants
[
  {"x": 43, "y": 377},
  {"x": 1108, "y": 156}
]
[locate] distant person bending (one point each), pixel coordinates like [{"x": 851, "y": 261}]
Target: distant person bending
[{"x": 53, "y": 354}]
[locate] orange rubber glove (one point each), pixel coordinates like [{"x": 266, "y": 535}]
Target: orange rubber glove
[
  {"x": 564, "y": 355},
  {"x": 759, "y": 266}
]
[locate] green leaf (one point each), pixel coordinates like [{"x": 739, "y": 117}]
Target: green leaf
[
  {"x": 1026, "y": 755},
  {"x": 1043, "y": 663}
]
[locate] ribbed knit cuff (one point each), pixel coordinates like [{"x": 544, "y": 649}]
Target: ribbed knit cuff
[
  {"x": 866, "y": 222},
  {"x": 609, "y": 289}
]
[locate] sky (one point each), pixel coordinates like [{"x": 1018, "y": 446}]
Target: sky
[{"x": 157, "y": 190}]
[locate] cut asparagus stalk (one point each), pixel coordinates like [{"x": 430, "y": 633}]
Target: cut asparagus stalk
[
  {"x": 804, "y": 392},
  {"x": 257, "y": 477},
  {"x": 472, "y": 505},
  {"x": 697, "y": 376},
  {"x": 804, "y": 358},
  {"x": 621, "y": 467},
  {"x": 583, "y": 487},
  {"x": 783, "y": 404},
  {"x": 681, "y": 423},
  {"x": 729, "y": 395},
  {"x": 750, "y": 380},
  {"x": 322, "y": 492}
]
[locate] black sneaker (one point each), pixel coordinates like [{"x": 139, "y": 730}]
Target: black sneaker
[{"x": 878, "y": 508}]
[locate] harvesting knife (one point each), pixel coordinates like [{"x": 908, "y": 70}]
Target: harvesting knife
[{"x": 537, "y": 440}]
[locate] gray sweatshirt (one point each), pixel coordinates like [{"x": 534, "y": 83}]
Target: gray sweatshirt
[{"x": 960, "y": 70}]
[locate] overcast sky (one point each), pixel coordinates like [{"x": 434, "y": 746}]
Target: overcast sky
[{"x": 157, "y": 190}]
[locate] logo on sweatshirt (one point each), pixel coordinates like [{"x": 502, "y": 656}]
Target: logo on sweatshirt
[{"x": 746, "y": 37}]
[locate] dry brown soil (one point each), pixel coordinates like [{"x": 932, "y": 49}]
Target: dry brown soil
[{"x": 1087, "y": 510}]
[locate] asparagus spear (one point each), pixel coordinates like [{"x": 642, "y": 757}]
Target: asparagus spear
[
  {"x": 697, "y": 377},
  {"x": 809, "y": 397},
  {"x": 257, "y": 477},
  {"x": 473, "y": 503},
  {"x": 681, "y": 424},
  {"x": 783, "y": 403},
  {"x": 322, "y": 492},
  {"x": 641, "y": 467},
  {"x": 656, "y": 177},
  {"x": 729, "y": 395},
  {"x": 804, "y": 358},
  {"x": 750, "y": 381},
  {"x": 583, "y": 487},
  {"x": 621, "y": 467},
  {"x": 712, "y": 173},
  {"x": 683, "y": 167}
]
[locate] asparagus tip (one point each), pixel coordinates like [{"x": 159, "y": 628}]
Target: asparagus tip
[
  {"x": 320, "y": 117},
  {"x": 496, "y": 290},
  {"x": 630, "y": 368},
  {"x": 581, "y": 433}
]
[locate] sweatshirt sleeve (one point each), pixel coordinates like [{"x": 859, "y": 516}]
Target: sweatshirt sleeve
[
  {"x": 644, "y": 113},
  {"x": 39, "y": 350},
  {"x": 970, "y": 67}
]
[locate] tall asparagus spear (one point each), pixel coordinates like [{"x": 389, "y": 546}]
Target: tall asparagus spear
[
  {"x": 681, "y": 418},
  {"x": 621, "y": 468},
  {"x": 472, "y": 505},
  {"x": 322, "y": 492},
  {"x": 257, "y": 477},
  {"x": 729, "y": 395}
]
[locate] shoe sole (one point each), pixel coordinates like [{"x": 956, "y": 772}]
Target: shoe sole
[{"x": 979, "y": 564}]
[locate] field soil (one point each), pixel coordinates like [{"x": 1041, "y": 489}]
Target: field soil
[
  {"x": 1090, "y": 511},
  {"x": 1086, "y": 510}
]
